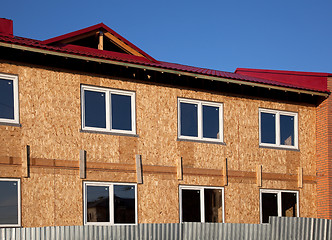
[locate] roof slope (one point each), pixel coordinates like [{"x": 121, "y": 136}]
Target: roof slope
[{"x": 147, "y": 60}]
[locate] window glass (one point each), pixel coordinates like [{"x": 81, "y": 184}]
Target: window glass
[
  {"x": 287, "y": 130},
  {"x": 289, "y": 206},
  {"x": 191, "y": 205},
  {"x": 268, "y": 128},
  {"x": 189, "y": 123},
  {"x": 124, "y": 204},
  {"x": 6, "y": 99},
  {"x": 269, "y": 206},
  {"x": 9, "y": 202},
  {"x": 210, "y": 122},
  {"x": 213, "y": 205},
  {"x": 94, "y": 109},
  {"x": 98, "y": 208},
  {"x": 121, "y": 112}
]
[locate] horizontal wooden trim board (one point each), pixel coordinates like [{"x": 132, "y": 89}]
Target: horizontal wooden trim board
[{"x": 152, "y": 169}]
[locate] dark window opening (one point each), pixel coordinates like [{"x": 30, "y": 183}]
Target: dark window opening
[
  {"x": 6, "y": 99},
  {"x": 289, "y": 206},
  {"x": 189, "y": 119},
  {"x": 269, "y": 206},
  {"x": 98, "y": 208},
  {"x": 191, "y": 206},
  {"x": 124, "y": 204},
  {"x": 213, "y": 205}
]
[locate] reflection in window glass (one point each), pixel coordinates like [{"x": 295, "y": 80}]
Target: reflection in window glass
[
  {"x": 6, "y": 99},
  {"x": 189, "y": 124},
  {"x": 94, "y": 109},
  {"x": 289, "y": 206},
  {"x": 269, "y": 206},
  {"x": 98, "y": 209},
  {"x": 124, "y": 204},
  {"x": 210, "y": 122},
  {"x": 213, "y": 205},
  {"x": 191, "y": 206},
  {"x": 287, "y": 130},
  {"x": 121, "y": 112},
  {"x": 9, "y": 202},
  {"x": 268, "y": 128}
]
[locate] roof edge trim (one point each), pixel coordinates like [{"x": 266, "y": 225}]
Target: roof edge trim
[{"x": 220, "y": 79}]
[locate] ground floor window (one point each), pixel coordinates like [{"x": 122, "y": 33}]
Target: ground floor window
[
  {"x": 110, "y": 203},
  {"x": 10, "y": 198},
  {"x": 201, "y": 204},
  {"x": 280, "y": 203}
]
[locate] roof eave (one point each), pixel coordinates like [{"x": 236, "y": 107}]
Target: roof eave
[{"x": 159, "y": 69}]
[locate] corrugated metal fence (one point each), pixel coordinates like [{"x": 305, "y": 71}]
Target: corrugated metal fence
[{"x": 279, "y": 228}]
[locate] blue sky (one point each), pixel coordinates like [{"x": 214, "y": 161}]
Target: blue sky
[{"x": 222, "y": 35}]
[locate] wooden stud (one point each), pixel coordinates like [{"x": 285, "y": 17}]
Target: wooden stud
[
  {"x": 224, "y": 172},
  {"x": 101, "y": 41},
  {"x": 300, "y": 177},
  {"x": 139, "y": 168},
  {"x": 82, "y": 164},
  {"x": 26, "y": 162},
  {"x": 259, "y": 175},
  {"x": 179, "y": 171}
]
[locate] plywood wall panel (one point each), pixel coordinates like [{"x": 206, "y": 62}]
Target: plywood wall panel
[{"x": 50, "y": 115}]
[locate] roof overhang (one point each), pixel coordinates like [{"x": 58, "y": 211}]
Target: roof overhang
[{"x": 164, "y": 70}]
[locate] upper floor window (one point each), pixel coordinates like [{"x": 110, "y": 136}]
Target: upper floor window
[
  {"x": 282, "y": 203},
  {"x": 200, "y": 120},
  {"x": 108, "y": 110},
  {"x": 9, "y": 112},
  {"x": 278, "y": 128},
  {"x": 110, "y": 203},
  {"x": 10, "y": 213}
]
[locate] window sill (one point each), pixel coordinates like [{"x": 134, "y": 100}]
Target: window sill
[
  {"x": 10, "y": 124},
  {"x": 109, "y": 133},
  {"x": 200, "y": 141},
  {"x": 280, "y": 148}
]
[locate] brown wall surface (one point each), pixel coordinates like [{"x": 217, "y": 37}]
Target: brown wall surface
[{"x": 50, "y": 118}]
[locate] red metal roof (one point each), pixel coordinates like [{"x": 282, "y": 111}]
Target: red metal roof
[
  {"x": 310, "y": 80},
  {"x": 100, "y": 26},
  {"x": 320, "y": 86}
]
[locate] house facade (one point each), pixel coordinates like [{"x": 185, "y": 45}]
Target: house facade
[{"x": 95, "y": 131}]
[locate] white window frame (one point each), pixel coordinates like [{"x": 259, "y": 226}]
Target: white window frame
[
  {"x": 277, "y": 127},
  {"x": 110, "y": 186},
  {"x": 278, "y": 192},
  {"x": 202, "y": 200},
  {"x": 200, "y": 105},
  {"x": 16, "y": 101},
  {"x": 18, "y": 182},
  {"x": 108, "y": 109}
]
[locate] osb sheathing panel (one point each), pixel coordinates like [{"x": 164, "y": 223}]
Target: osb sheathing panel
[
  {"x": 51, "y": 198},
  {"x": 50, "y": 115}
]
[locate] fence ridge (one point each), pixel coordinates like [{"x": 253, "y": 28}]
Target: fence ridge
[{"x": 277, "y": 228}]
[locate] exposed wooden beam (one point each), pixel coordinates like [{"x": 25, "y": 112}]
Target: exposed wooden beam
[
  {"x": 300, "y": 177},
  {"x": 26, "y": 162},
  {"x": 101, "y": 41},
  {"x": 82, "y": 164},
  {"x": 259, "y": 175},
  {"x": 139, "y": 168},
  {"x": 122, "y": 45},
  {"x": 225, "y": 172}
]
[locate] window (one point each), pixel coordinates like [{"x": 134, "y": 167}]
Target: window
[
  {"x": 110, "y": 203},
  {"x": 9, "y": 112},
  {"x": 201, "y": 204},
  {"x": 108, "y": 110},
  {"x": 278, "y": 203},
  {"x": 10, "y": 208},
  {"x": 278, "y": 129},
  {"x": 198, "y": 120}
]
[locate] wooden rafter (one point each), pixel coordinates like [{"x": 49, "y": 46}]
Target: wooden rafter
[{"x": 122, "y": 45}]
